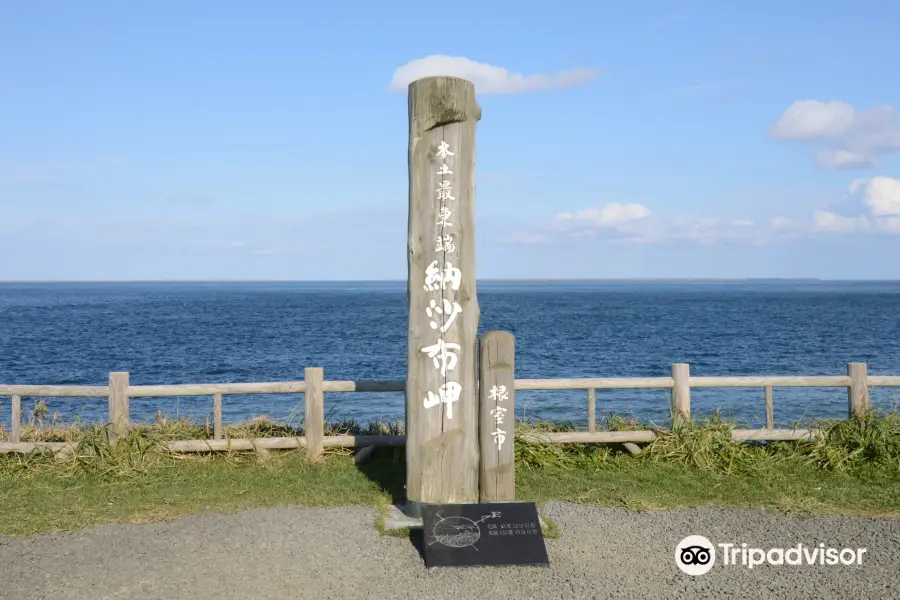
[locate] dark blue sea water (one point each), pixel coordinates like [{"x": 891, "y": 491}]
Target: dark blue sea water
[{"x": 75, "y": 333}]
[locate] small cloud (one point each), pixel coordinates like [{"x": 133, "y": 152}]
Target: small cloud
[
  {"x": 838, "y": 159},
  {"x": 743, "y": 223},
  {"x": 854, "y": 139},
  {"x": 488, "y": 79},
  {"x": 610, "y": 215},
  {"x": 265, "y": 252},
  {"x": 812, "y": 119},
  {"x": 828, "y": 222},
  {"x": 782, "y": 223},
  {"x": 882, "y": 195},
  {"x": 238, "y": 244}
]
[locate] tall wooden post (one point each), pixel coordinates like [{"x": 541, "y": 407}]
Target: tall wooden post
[
  {"x": 498, "y": 416},
  {"x": 441, "y": 400},
  {"x": 681, "y": 394},
  {"x": 119, "y": 405},
  {"x": 858, "y": 392},
  {"x": 314, "y": 417}
]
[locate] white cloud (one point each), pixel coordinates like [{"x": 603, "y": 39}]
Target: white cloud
[
  {"x": 528, "y": 238},
  {"x": 488, "y": 79},
  {"x": 612, "y": 214},
  {"x": 828, "y": 222},
  {"x": 265, "y": 252},
  {"x": 782, "y": 223},
  {"x": 878, "y": 212},
  {"x": 812, "y": 119},
  {"x": 882, "y": 195},
  {"x": 838, "y": 159},
  {"x": 853, "y": 139}
]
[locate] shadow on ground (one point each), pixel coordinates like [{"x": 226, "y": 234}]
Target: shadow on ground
[{"x": 386, "y": 467}]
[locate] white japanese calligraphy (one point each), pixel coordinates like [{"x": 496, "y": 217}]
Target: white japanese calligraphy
[
  {"x": 448, "y": 394},
  {"x": 444, "y": 216},
  {"x": 499, "y": 393},
  {"x": 444, "y": 150},
  {"x": 449, "y": 311},
  {"x": 435, "y": 280},
  {"x": 443, "y": 356},
  {"x": 498, "y": 413},
  {"x": 445, "y": 191},
  {"x": 499, "y": 437},
  {"x": 445, "y": 243},
  {"x": 445, "y": 170}
]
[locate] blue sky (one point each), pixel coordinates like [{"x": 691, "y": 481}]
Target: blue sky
[{"x": 226, "y": 140}]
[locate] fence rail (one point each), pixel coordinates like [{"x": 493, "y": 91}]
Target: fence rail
[{"x": 313, "y": 387}]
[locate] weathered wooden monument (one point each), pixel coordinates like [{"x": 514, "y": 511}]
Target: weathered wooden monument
[{"x": 444, "y": 453}]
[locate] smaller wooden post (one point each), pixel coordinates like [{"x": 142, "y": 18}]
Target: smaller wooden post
[
  {"x": 314, "y": 397},
  {"x": 858, "y": 392},
  {"x": 592, "y": 410},
  {"x": 497, "y": 418},
  {"x": 16, "y": 433},
  {"x": 119, "y": 410},
  {"x": 681, "y": 394},
  {"x": 217, "y": 416},
  {"x": 770, "y": 409}
]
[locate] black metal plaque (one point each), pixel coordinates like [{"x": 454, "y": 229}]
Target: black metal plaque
[{"x": 490, "y": 534}]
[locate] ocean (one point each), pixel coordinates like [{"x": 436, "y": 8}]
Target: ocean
[{"x": 162, "y": 333}]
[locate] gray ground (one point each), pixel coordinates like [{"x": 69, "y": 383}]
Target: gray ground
[{"x": 336, "y": 553}]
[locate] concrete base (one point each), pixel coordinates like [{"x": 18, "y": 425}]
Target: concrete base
[{"x": 395, "y": 518}]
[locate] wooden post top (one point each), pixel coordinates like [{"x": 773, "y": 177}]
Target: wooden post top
[{"x": 436, "y": 101}]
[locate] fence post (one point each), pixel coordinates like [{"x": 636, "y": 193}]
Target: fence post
[
  {"x": 592, "y": 410},
  {"x": 497, "y": 421},
  {"x": 681, "y": 394},
  {"x": 119, "y": 409},
  {"x": 314, "y": 417},
  {"x": 217, "y": 416},
  {"x": 858, "y": 392},
  {"x": 16, "y": 432},
  {"x": 442, "y": 463},
  {"x": 770, "y": 409}
]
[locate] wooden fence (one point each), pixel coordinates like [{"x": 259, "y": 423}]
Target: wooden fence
[{"x": 313, "y": 387}]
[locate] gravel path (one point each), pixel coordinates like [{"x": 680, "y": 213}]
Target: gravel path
[{"x": 322, "y": 554}]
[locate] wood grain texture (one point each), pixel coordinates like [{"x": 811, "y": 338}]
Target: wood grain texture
[
  {"x": 442, "y": 448},
  {"x": 56, "y": 391},
  {"x": 497, "y": 421},
  {"x": 16, "y": 431},
  {"x": 592, "y": 409},
  {"x": 314, "y": 416},
  {"x": 217, "y": 416},
  {"x": 773, "y": 380},
  {"x": 119, "y": 411},
  {"x": 858, "y": 391},
  {"x": 681, "y": 393},
  {"x": 600, "y": 383},
  {"x": 206, "y": 389},
  {"x": 770, "y": 409}
]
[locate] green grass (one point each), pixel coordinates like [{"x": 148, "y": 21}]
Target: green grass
[{"x": 852, "y": 468}]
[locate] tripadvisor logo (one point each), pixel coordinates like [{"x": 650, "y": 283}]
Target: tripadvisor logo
[{"x": 696, "y": 555}]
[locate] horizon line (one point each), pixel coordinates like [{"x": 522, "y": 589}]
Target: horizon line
[{"x": 520, "y": 279}]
